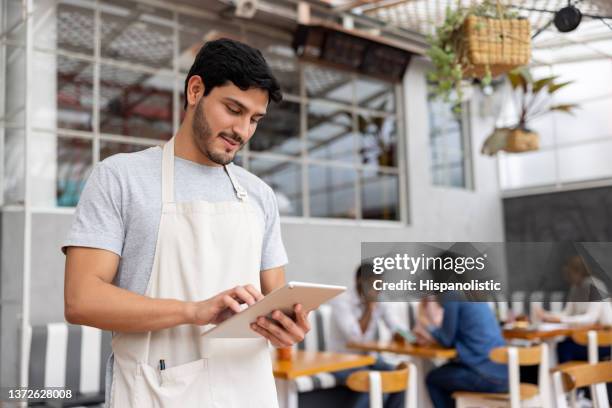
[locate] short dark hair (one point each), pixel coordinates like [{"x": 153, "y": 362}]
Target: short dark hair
[{"x": 224, "y": 60}]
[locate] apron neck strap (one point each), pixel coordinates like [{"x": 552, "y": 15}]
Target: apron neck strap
[
  {"x": 168, "y": 172},
  {"x": 168, "y": 175},
  {"x": 240, "y": 192}
]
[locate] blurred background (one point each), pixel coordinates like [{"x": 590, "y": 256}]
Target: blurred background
[{"x": 360, "y": 149}]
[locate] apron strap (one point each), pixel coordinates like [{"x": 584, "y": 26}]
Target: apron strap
[
  {"x": 168, "y": 172},
  {"x": 240, "y": 192}
]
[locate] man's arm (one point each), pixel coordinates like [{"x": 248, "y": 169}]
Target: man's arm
[
  {"x": 91, "y": 299},
  {"x": 272, "y": 279}
]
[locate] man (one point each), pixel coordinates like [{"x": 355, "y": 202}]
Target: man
[
  {"x": 166, "y": 242},
  {"x": 356, "y": 316},
  {"x": 471, "y": 328}
]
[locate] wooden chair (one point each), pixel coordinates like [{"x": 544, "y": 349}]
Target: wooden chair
[
  {"x": 521, "y": 394},
  {"x": 378, "y": 383},
  {"x": 583, "y": 375},
  {"x": 593, "y": 339}
]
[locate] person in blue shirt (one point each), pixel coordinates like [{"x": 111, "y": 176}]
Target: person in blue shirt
[{"x": 470, "y": 328}]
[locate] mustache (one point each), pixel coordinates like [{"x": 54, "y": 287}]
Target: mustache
[{"x": 233, "y": 136}]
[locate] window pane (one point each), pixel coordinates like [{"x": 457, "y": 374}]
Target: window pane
[
  {"x": 279, "y": 130},
  {"x": 281, "y": 59},
  {"x": 137, "y": 33},
  {"x": 75, "y": 29},
  {"x": 379, "y": 196},
  {"x": 108, "y": 149},
  {"x": 193, "y": 32},
  {"x": 74, "y": 95},
  {"x": 330, "y": 133},
  {"x": 13, "y": 166},
  {"x": 448, "y": 144},
  {"x": 329, "y": 84},
  {"x": 285, "y": 178},
  {"x": 74, "y": 162},
  {"x": 332, "y": 191},
  {"x": 135, "y": 103},
  {"x": 376, "y": 95},
  {"x": 378, "y": 140}
]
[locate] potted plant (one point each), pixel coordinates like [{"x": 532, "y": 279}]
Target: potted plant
[
  {"x": 481, "y": 41},
  {"x": 532, "y": 98}
]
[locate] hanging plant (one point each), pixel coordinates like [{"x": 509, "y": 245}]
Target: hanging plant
[
  {"x": 532, "y": 98},
  {"x": 481, "y": 41}
]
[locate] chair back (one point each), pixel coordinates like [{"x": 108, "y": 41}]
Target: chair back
[
  {"x": 515, "y": 357},
  {"x": 583, "y": 375},
  {"x": 377, "y": 383}
]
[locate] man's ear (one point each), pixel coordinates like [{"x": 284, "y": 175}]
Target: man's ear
[{"x": 195, "y": 90}]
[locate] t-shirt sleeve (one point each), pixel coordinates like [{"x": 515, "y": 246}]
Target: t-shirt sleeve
[
  {"x": 98, "y": 221},
  {"x": 273, "y": 252}
]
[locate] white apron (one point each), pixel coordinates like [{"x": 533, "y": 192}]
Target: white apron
[{"x": 202, "y": 249}]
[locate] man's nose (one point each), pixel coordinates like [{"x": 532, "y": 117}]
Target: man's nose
[{"x": 241, "y": 128}]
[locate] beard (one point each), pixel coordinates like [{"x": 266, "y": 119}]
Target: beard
[{"x": 204, "y": 138}]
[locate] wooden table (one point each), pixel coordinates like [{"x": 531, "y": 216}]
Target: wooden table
[
  {"x": 429, "y": 352},
  {"x": 310, "y": 363},
  {"x": 540, "y": 335},
  {"x": 423, "y": 363}
]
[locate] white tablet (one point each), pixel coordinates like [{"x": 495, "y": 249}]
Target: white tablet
[{"x": 309, "y": 295}]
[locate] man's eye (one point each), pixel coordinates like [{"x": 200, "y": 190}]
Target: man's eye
[
  {"x": 234, "y": 111},
  {"x": 255, "y": 121}
]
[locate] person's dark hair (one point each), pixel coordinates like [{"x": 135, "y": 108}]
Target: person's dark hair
[
  {"x": 224, "y": 60},
  {"x": 364, "y": 271}
]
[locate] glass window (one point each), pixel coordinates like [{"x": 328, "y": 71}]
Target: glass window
[
  {"x": 330, "y": 133},
  {"x": 135, "y": 103},
  {"x": 328, "y": 150},
  {"x": 449, "y": 143},
  {"x": 74, "y": 96},
  {"x": 279, "y": 130},
  {"x": 137, "y": 33},
  {"x": 375, "y": 95},
  {"x": 329, "y": 84},
  {"x": 75, "y": 30},
  {"x": 74, "y": 158},
  {"x": 332, "y": 192},
  {"x": 379, "y": 195},
  {"x": 285, "y": 178},
  {"x": 378, "y": 140},
  {"x": 108, "y": 148}
]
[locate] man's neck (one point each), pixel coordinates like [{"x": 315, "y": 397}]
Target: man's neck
[{"x": 186, "y": 148}]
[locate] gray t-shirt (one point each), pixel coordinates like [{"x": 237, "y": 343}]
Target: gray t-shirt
[{"x": 120, "y": 209}]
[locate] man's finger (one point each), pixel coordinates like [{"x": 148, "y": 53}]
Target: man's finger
[
  {"x": 268, "y": 335},
  {"x": 254, "y": 292},
  {"x": 285, "y": 321},
  {"x": 301, "y": 317},
  {"x": 231, "y": 303},
  {"x": 242, "y": 294},
  {"x": 275, "y": 330}
]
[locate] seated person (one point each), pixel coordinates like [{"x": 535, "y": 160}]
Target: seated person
[
  {"x": 579, "y": 310},
  {"x": 356, "y": 316},
  {"x": 471, "y": 328}
]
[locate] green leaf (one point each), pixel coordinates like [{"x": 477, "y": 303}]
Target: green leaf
[
  {"x": 552, "y": 88},
  {"x": 516, "y": 79},
  {"x": 567, "y": 108},
  {"x": 541, "y": 83}
]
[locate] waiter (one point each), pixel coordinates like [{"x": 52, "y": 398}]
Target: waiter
[{"x": 169, "y": 241}]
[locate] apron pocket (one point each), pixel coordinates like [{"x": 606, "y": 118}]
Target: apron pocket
[{"x": 186, "y": 385}]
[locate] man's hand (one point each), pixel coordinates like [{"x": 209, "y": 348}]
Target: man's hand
[
  {"x": 281, "y": 330},
  {"x": 222, "y": 306}
]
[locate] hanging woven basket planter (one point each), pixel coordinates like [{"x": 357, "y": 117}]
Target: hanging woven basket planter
[{"x": 495, "y": 45}]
